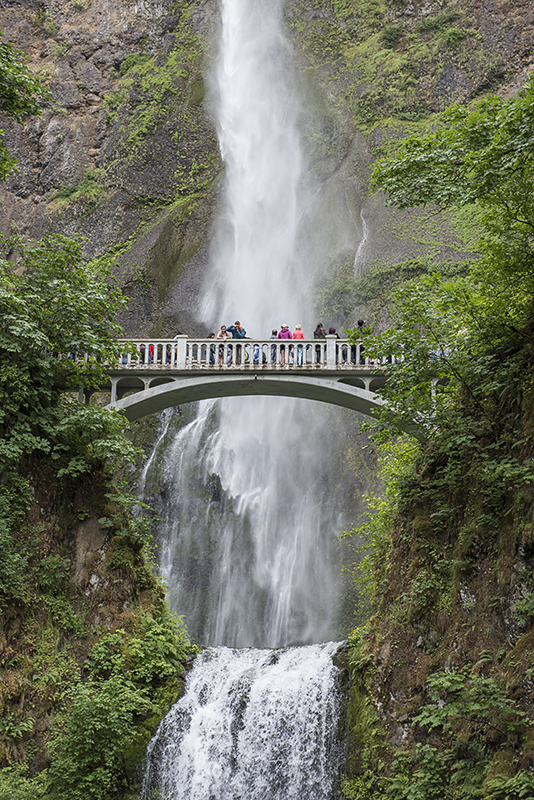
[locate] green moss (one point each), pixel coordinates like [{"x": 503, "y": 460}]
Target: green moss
[
  {"x": 503, "y": 765},
  {"x": 380, "y": 67},
  {"x": 89, "y": 191}
]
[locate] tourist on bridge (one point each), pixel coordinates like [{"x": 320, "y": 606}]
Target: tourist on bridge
[
  {"x": 238, "y": 332},
  {"x": 319, "y": 333},
  {"x": 362, "y": 330},
  {"x": 212, "y": 349},
  {"x": 298, "y": 334},
  {"x": 285, "y": 333},
  {"x": 332, "y": 332},
  {"x": 274, "y": 335},
  {"x": 223, "y": 334}
]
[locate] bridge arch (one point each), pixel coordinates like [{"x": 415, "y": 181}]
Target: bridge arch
[
  {"x": 187, "y": 390},
  {"x": 153, "y": 375}
]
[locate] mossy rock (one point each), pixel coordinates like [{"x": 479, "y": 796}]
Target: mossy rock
[{"x": 503, "y": 765}]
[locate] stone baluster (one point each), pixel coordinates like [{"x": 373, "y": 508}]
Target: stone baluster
[
  {"x": 181, "y": 351},
  {"x": 331, "y": 351}
]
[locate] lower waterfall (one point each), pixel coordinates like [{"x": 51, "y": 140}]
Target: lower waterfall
[{"x": 251, "y": 725}]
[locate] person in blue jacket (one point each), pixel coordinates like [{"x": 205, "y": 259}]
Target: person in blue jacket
[{"x": 238, "y": 332}]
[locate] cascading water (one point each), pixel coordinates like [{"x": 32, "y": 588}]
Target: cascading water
[
  {"x": 249, "y": 552},
  {"x": 255, "y": 724}
]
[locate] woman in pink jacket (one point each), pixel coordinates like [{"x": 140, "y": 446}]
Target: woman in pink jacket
[{"x": 298, "y": 334}]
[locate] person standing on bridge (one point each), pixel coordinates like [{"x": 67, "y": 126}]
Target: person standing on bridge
[
  {"x": 212, "y": 349},
  {"x": 298, "y": 334},
  {"x": 285, "y": 333},
  {"x": 333, "y": 332},
  {"x": 274, "y": 335},
  {"x": 319, "y": 333},
  {"x": 222, "y": 334},
  {"x": 362, "y": 330},
  {"x": 238, "y": 332}
]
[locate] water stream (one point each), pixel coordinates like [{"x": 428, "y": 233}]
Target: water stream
[
  {"x": 255, "y": 724},
  {"x": 249, "y": 548}
]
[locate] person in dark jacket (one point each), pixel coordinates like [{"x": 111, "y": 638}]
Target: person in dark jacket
[
  {"x": 319, "y": 333},
  {"x": 332, "y": 332},
  {"x": 212, "y": 349},
  {"x": 274, "y": 335}
]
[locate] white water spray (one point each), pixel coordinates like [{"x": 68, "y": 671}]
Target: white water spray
[
  {"x": 256, "y": 724},
  {"x": 358, "y": 258},
  {"x": 250, "y": 555},
  {"x": 255, "y": 272}
]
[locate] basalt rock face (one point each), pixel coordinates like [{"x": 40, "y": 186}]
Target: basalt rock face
[{"x": 126, "y": 153}]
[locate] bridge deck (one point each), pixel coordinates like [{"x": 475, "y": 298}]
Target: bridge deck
[
  {"x": 153, "y": 375},
  {"x": 146, "y": 364}
]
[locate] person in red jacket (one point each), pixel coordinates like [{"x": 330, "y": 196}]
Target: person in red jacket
[{"x": 298, "y": 334}]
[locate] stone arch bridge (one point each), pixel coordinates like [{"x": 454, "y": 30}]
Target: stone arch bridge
[{"x": 169, "y": 372}]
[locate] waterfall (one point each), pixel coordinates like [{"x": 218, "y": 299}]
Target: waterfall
[
  {"x": 256, "y": 272},
  {"x": 249, "y": 551},
  {"x": 255, "y": 724},
  {"x": 247, "y": 486}
]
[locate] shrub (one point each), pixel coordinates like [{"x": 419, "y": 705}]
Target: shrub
[
  {"x": 392, "y": 34},
  {"x": 132, "y": 60},
  {"x": 87, "y": 763}
]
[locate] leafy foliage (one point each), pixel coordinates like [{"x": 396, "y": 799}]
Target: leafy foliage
[
  {"x": 54, "y": 309},
  {"x": 459, "y": 356},
  {"x": 21, "y": 95},
  {"x": 369, "y": 570},
  {"x": 128, "y": 681},
  {"x": 464, "y": 706},
  {"x": 483, "y": 156},
  {"x": 16, "y": 784},
  {"x": 466, "y": 699},
  {"x": 454, "y": 339},
  {"x": 87, "y": 762}
]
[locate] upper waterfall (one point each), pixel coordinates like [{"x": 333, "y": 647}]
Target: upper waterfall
[
  {"x": 255, "y": 272},
  {"x": 248, "y": 488}
]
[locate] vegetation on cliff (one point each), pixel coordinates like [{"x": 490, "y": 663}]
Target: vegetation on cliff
[
  {"x": 21, "y": 95},
  {"x": 90, "y": 657},
  {"x": 442, "y": 700}
]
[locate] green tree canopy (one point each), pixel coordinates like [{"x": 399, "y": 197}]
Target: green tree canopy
[
  {"x": 57, "y": 332},
  {"x": 482, "y": 155},
  {"x": 456, "y": 339},
  {"x": 55, "y": 310},
  {"x": 21, "y": 95}
]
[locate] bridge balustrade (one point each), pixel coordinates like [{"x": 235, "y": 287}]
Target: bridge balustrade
[{"x": 183, "y": 353}]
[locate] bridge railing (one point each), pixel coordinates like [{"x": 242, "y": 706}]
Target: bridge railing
[{"x": 184, "y": 353}]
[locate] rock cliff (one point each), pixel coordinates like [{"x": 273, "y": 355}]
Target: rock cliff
[{"x": 126, "y": 152}]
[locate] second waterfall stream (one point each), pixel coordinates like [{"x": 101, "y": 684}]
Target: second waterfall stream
[{"x": 248, "y": 549}]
